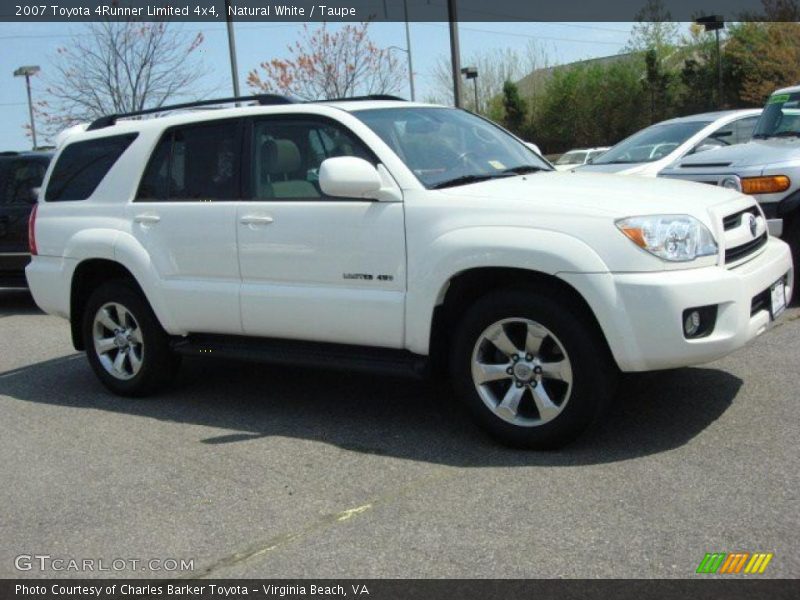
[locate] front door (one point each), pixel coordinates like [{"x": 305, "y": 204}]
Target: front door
[{"x": 315, "y": 267}]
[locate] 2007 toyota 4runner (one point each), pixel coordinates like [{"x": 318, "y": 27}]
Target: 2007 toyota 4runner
[{"x": 381, "y": 234}]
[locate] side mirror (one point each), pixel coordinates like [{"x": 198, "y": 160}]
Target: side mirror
[
  {"x": 349, "y": 177},
  {"x": 34, "y": 194}
]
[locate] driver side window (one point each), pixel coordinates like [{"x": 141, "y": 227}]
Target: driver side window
[{"x": 286, "y": 156}]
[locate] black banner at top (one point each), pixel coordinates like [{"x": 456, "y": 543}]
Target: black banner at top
[{"x": 394, "y": 10}]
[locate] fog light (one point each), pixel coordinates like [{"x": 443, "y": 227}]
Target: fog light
[
  {"x": 699, "y": 321},
  {"x": 691, "y": 324}
]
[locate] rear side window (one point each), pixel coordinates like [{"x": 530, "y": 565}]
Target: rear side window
[
  {"x": 200, "y": 162},
  {"x": 81, "y": 167}
]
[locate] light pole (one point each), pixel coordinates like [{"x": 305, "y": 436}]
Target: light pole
[
  {"x": 472, "y": 73},
  {"x": 26, "y": 72},
  {"x": 715, "y": 23},
  {"x": 410, "y": 72},
  {"x": 232, "y": 51}
]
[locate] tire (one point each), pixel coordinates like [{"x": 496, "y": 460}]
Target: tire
[
  {"x": 543, "y": 399},
  {"x": 137, "y": 360}
]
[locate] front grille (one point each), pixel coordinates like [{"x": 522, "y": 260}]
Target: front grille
[
  {"x": 739, "y": 252},
  {"x": 734, "y": 220}
]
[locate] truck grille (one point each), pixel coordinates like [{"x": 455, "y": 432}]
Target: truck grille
[
  {"x": 739, "y": 252},
  {"x": 734, "y": 220},
  {"x": 744, "y": 234}
]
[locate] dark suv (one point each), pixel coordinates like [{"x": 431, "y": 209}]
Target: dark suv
[{"x": 21, "y": 174}]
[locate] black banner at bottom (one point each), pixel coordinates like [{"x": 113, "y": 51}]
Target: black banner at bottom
[{"x": 394, "y": 589}]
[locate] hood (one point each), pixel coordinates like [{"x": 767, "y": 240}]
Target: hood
[
  {"x": 594, "y": 194},
  {"x": 753, "y": 153}
]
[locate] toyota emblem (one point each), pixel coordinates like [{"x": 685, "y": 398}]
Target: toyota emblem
[{"x": 753, "y": 224}]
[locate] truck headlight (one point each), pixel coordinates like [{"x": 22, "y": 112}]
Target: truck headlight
[{"x": 676, "y": 238}]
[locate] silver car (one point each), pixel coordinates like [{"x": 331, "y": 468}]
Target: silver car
[{"x": 767, "y": 167}]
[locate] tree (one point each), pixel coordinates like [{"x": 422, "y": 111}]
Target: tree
[
  {"x": 762, "y": 57},
  {"x": 653, "y": 30},
  {"x": 590, "y": 104},
  {"x": 323, "y": 64},
  {"x": 514, "y": 107},
  {"x": 119, "y": 67},
  {"x": 495, "y": 67}
]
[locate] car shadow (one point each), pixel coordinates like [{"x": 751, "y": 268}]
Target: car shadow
[
  {"x": 17, "y": 301},
  {"x": 414, "y": 420}
]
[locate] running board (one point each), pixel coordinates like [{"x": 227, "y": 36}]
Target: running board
[{"x": 386, "y": 361}]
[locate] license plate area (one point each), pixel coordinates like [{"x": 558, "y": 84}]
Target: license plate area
[{"x": 777, "y": 293}]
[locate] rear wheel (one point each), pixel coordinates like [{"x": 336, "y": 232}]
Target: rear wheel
[
  {"x": 531, "y": 368},
  {"x": 126, "y": 346}
]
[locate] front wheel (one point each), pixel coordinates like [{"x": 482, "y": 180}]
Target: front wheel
[
  {"x": 126, "y": 345},
  {"x": 531, "y": 368}
]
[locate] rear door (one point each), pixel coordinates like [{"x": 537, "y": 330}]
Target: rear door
[
  {"x": 316, "y": 267},
  {"x": 185, "y": 216}
]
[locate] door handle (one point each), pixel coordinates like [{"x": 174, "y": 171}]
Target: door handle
[
  {"x": 147, "y": 219},
  {"x": 256, "y": 220}
]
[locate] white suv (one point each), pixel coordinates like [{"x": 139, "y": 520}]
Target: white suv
[{"x": 388, "y": 235}]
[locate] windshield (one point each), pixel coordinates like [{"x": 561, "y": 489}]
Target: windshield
[
  {"x": 444, "y": 146},
  {"x": 781, "y": 117},
  {"x": 650, "y": 144},
  {"x": 572, "y": 158}
]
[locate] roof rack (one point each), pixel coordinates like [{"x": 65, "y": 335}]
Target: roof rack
[
  {"x": 361, "y": 98},
  {"x": 263, "y": 99}
]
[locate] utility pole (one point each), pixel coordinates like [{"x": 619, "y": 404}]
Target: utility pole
[
  {"x": 455, "y": 52},
  {"x": 26, "y": 72},
  {"x": 232, "y": 50},
  {"x": 408, "y": 49}
]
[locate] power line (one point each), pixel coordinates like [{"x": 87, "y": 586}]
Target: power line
[{"x": 533, "y": 37}]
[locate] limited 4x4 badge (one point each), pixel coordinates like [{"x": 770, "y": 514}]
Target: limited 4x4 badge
[{"x": 367, "y": 276}]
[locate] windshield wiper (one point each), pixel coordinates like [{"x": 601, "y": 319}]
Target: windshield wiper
[
  {"x": 786, "y": 134},
  {"x": 465, "y": 179},
  {"x": 524, "y": 169}
]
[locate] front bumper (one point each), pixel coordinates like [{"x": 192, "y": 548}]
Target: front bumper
[{"x": 641, "y": 314}]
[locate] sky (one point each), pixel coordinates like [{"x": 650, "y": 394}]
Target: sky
[{"x": 36, "y": 44}]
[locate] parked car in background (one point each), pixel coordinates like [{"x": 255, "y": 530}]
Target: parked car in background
[
  {"x": 576, "y": 158},
  {"x": 767, "y": 167},
  {"x": 659, "y": 146},
  {"x": 21, "y": 174}
]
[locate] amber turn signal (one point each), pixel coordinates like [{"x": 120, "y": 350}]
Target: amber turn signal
[{"x": 765, "y": 185}]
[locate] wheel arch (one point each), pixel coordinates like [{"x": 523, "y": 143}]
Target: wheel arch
[
  {"x": 468, "y": 286},
  {"x": 87, "y": 276}
]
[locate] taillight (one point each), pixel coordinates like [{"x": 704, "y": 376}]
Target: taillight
[{"x": 32, "y": 231}]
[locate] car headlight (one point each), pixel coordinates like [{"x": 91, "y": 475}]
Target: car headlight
[{"x": 676, "y": 238}]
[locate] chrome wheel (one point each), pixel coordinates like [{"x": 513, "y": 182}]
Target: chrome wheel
[
  {"x": 118, "y": 341},
  {"x": 522, "y": 372}
]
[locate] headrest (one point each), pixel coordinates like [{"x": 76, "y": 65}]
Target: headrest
[{"x": 279, "y": 157}]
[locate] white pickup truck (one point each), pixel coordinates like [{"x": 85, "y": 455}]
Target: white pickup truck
[{"x": 392, "y": 236}]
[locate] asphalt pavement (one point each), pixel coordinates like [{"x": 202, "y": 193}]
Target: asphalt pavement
[{"x": 257, "y": 471}]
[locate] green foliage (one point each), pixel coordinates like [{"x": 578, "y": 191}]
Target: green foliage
[
  {"x": 514, "y": 107},
  {"x": 589, "y": 105}
]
